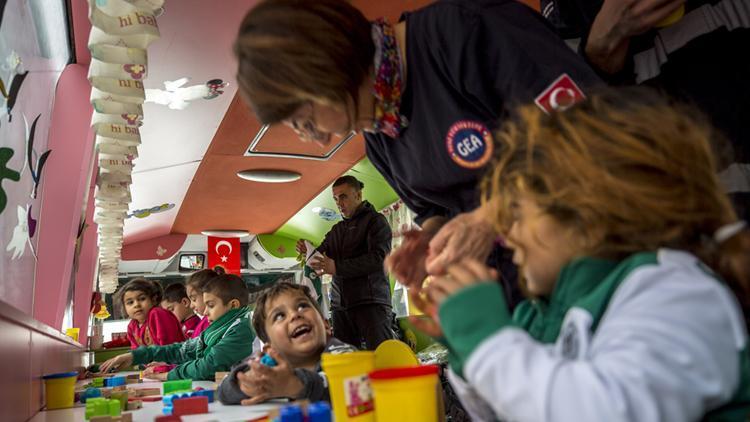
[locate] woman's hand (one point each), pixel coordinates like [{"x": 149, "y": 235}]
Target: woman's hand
[
  {"x": 301, "y": 248},
  {"x": 407, "y": 262},
  {"x": 460, "y": 275},
  {"x": 262, "y": 383},
  {"x": 117, "y": 362},
  {"x": 468, "y": 235},
  {"x": 618, "y": 21}
]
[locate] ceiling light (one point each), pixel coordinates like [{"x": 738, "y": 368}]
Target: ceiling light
[
  {"x": 226, "y": 233},
  {"x": 270, "y": 176}
]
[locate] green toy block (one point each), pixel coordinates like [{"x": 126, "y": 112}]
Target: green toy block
[
  {"x": 122, "y": 396},
  {"x": 97, "y": 382},
  {"x": 177, "y": 386},
  {"x": 100, "y": 406}
]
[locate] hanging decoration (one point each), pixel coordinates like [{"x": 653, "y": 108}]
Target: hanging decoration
[{"x": 121, "y": 31}]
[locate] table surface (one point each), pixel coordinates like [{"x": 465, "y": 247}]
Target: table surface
[{"x": 150, "y": 410}]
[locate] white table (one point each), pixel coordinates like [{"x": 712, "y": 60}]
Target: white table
[{"x": 150, "y": 410}]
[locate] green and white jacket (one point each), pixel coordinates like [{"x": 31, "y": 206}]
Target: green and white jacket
[{"x": 655, "y": 337}]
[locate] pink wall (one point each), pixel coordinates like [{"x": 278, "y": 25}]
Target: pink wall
[
  {"x": 30, "y": 349},
  {"x": 86, "y": 267},
  {"x": 67, "y": 180}
]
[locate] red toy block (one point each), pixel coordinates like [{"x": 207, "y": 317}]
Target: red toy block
[
  {"x": 190, "y": 406},
  {"x": 168, "y": 418}
]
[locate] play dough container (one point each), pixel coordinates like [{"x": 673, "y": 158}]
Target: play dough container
[
  {"x": 406, "y": 394},
  {"x": 351, "y": 394},
  {"x": 60, "y": 389}
]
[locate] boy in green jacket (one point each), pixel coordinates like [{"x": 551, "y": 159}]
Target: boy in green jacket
[{"x": 224, "y": 343}]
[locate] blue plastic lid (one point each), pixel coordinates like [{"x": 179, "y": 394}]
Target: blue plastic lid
[
  {"x": 319, "y": 412},
  {"x": 291, "y": 413},
  {"x": 61, "y": 375}
]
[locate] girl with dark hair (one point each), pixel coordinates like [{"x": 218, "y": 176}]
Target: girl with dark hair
[{"x": 150, "y": 324}]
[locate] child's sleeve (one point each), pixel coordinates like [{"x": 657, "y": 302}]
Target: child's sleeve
[
  {"x": 171, "y": 353},
  {"x": 235, "y": 345},
  {"x": 229, "y": 390}
]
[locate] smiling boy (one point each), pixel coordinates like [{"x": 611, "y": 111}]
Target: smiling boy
[{"x": 289, "y": 322}]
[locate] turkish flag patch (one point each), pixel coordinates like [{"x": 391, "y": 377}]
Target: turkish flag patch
[
  {"x": 560, "y": 95},
  {"x": 224, "y": 252}
]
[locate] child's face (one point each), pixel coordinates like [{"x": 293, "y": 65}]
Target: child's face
[
  {"x": 295, "y": 328},
  {"x": 216, "y": 308},
  {"x": 541, "y": 245},
  {"x": 137, "y": 304},
  {"x": 182, "y": 309},
  {"x": 196, "y": 301}
]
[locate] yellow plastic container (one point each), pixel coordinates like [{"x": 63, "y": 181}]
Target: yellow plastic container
[
  {"x": 351, "y": 394},
  {"x": 60, "y": 389},
  {"x": 406, "y": 394}
]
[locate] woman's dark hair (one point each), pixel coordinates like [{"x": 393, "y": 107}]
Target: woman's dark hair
[
  {"x": 151, "y": 288},
  {"x": 291, "y": 52}
]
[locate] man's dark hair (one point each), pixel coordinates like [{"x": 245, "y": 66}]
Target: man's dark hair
[
  {"x": 227, "y": 287},
  {"x": 351, "y": 181},
  {"x": 175, "y": 292},
  {"x": 259, "y": 315}
]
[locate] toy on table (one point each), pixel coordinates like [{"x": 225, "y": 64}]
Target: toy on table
[
  {"x": 319, "y": 412},
  {"x": 170, "y": 399},
  {"x": 90, "y": 393},
  {"x": 133, "y": 379},
  {"x": 134, "y": 405},
  {"x": 125, "y": 417},
  {"x": 168, "y": 418},
  {"x": 114, "y": 381},
  {"x": 190, "y": 406},
  {"x": 100, "y": 406},
  {"x": 292, "y": 413},
  {"x": 177, "y": 386},
  {"x": 122, "y": 397}
]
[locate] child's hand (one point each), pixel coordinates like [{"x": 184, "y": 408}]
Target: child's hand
[
  {"x": 117, "y": 362},
  {"x": 262, "y": 383},
  {"x": 428, "y": 323},
  {"x": 462, "y": 274}
]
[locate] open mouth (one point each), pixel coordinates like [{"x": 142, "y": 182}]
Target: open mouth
[{"x": 301, "y": 331}]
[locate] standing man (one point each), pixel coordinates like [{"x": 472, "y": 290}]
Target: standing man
[{"x": 353, "y": 253}]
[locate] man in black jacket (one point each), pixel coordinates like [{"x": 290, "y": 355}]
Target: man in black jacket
[{"x": 353, "y": 252}]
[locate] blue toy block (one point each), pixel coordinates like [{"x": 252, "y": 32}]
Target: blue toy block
[
  {"x": 90, "y": 393},
  {"x": 114, "y": 381},
  {"x": 268, "y": 361},
  {"x": 168, "y": 400}
]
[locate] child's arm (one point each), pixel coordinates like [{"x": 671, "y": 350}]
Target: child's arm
[
  {"x": 171, "y": 353},
  {"x": 229, "y": 391},
  {"x": 235, "y": 345}
]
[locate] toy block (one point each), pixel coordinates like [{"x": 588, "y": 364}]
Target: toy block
[
  {"x": 190, "y": 406},
  {"x": 122, "y": 397},
  {"x": 90, "y": 393},
  {"x": 177, "y": 386},
  {"x": 125, "y": 417},
  {"x": 142, "y": 392},
  {"x": 219, "y": 376},
  {"x": 168, "y": 418},
  {"x": 133, "y": 379},
  {"x": 102, "y": 407},
  {"x": 134, "y": 405},
  {"x": 114, "y": 381},
  {"x": 97, "y": 382},
  {"x": 268, "y": 361}
]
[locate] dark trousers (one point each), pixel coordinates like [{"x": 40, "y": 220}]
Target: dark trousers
[{"x": 364, "y": 326}]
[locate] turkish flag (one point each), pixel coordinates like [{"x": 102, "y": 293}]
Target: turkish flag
[
  {"x": 559, "y": 95},
  {"x": 224, "y": 252}
]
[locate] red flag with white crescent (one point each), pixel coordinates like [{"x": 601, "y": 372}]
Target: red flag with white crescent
[{"x": 224, "y": 252}]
